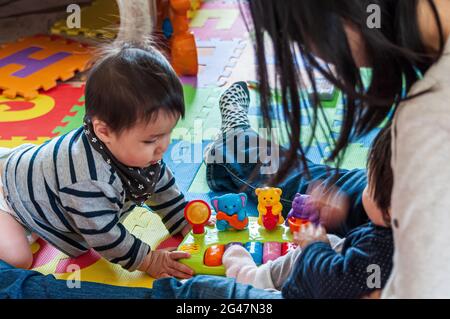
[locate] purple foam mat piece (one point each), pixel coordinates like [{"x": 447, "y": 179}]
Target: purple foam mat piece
[{"x": 31, "y": 65}]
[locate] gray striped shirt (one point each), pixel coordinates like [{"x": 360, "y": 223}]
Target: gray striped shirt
[{"x": 65, "y": 192}]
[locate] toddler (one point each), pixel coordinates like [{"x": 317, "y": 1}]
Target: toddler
[{"x": 74, "y": 191}]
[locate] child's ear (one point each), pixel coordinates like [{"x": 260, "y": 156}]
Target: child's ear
[
  {"x": 215, "y": 203},
  {"x": 102, "y": 130},
  {"x": 243, "y": 197},
  {"x": 278, "y": 191}
]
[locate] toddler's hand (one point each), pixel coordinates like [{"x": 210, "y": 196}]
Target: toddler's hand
[
  {"x": 310, "y": 234},
  {"x": 163, "y": 263}
]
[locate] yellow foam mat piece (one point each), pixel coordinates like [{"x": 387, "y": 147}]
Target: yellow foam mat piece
[
  {"x": 99, "y": 20},
  {"x": 76, "y": 59},
  {"x": 19, "y": 140},
  {"x": 141, "y": 223}
]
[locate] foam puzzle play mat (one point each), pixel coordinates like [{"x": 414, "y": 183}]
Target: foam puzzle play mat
[{"x": 42, "y": 80}]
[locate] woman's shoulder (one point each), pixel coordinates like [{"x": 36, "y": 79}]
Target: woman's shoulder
[
  {"x": 429, "y": 110},
  {"x": 433, "y": 91}
]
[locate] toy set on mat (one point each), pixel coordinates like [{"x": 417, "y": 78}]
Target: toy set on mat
[
  {"x": 37, "y": 63},
  {"x": 266, "y": 238}
]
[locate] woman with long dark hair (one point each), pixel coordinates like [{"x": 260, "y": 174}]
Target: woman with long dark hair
[{"x": 408, "y": 51}]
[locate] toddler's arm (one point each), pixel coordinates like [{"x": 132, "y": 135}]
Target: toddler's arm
[{"x": 94, "y": 209}]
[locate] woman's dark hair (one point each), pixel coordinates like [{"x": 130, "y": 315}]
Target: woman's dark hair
[
  {"x": 299, "y": 28},
  {"x": 380, "y": 176},
  {"x": 132, "y": 82}
]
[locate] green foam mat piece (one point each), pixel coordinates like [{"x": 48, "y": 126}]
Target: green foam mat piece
[
  {"x": 199, "y": 102},
  {"x": 355, "y": 156},
  {"x": 199, "y": 185},
  {"x": 72, "y": 121}
]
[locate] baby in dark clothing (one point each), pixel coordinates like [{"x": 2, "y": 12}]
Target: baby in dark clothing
[{"x": 324, "y": 266}]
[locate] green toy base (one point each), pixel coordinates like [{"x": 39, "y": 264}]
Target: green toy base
[{"x": 197, "y": 245}]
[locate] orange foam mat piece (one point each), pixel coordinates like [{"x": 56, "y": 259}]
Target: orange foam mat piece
[
  {"x": 91, "y": 266},
  {"x": 38, "y": 62}
]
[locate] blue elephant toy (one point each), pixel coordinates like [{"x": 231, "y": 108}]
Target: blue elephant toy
[{"x": 231, "y": 212}]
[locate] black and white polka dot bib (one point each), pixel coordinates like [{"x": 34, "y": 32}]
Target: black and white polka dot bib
[{"x": 138, "y": 183}]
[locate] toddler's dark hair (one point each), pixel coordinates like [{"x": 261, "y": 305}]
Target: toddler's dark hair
[
  {"x": 132, "y": 82},
  {"x": 380, "y": 176}
]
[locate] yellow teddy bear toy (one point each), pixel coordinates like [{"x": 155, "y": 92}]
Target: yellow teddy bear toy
[{"x": 269, "y": 207}]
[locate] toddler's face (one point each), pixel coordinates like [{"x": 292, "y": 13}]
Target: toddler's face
[{"x": 143, "y": 144}]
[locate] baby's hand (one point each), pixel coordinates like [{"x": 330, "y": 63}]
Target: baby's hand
[
  {"x": 310, "y": 234},
  {"x": 163, "y": 263}
]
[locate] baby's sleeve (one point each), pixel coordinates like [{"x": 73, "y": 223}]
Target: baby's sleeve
[
  {"x": 321, "y": 272},
  {"x": 168, "y": 201},
  {"x": 94, "y": 208}
]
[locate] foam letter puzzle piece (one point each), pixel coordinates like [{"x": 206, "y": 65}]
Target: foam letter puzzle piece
[
  {"x": 141, "y": 223},
  {"x": 37, "y": 117},
  {"x": 225, "y": 17},
  {"x": 38, "y": 62},
  {"x": 225, "y": 24},
  {"x": 74, "y": 121},
  {"x": 216, "y": 60}
]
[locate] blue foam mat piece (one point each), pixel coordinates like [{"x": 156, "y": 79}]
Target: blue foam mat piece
[{"x": 183, "y": 159}]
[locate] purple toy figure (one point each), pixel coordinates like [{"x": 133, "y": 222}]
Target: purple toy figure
[{"x": 301, "y": 209}]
